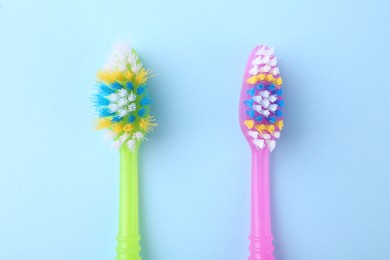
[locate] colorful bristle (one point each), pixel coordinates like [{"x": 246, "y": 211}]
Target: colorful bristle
[
  {"x": 262, "y": 99},
  {"x": 122, "y": 100}
]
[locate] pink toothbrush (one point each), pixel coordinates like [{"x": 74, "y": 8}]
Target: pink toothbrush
[{"x": 261, "y": 122}]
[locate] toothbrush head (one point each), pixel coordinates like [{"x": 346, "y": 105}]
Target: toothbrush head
[
  {"x": 122, "y": 99},
  {"x": 261, "y": 102}
]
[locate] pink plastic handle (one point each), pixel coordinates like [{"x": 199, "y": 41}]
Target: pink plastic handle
[{"x": 261, "y": 247}]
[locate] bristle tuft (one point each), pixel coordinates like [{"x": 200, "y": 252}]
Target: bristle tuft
[
  {"x": 259, "y": 143},
  {"x": 249, "y": 123}
]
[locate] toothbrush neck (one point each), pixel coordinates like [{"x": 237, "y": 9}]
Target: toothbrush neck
[
  {"x": 261, "y": 217},
  {"x": 128, "y": 234},
  {"x": 261, "y": 235}
]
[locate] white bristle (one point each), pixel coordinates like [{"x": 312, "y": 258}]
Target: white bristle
[
  {"x": 272, "y": 107},
  {"x": 132, "y": 97},
  {"x": 260, "y": 51},
  {"x": 272, "y": 98},
  {"x": 265, "y": 69},
  {"x": 275, "y": 71},
  {"x": 118, "y": 57},
  {"x": 122, "y": 112},
  {"x": 122, "y": 102},
  {"x": 270, "y": 51},
  {"x": 264, "y": 93},
  {"x": 138, "y": 136},
  {"x": 257, "y": 108},
  {"x": 265, "y": 59},
  {"x": 121, "y": 48},
  {"x": 132, "y": 107},
  {"x": 132, "y": 59},
  {"x": 136, "y": 67},
  {"x": 265, "y": 103},
  {"x": 253, "y": 70},
  {"x": 116, "y": 144},
  {"x": 276, "y": 134},
  {"x": 266, "y": 136},
  {"x": 113, "y": 107},
  {"x": 256, "y": 61},
  {"x": 273, "y": 61},
  {"x": 124, "y": 137},
  {"x": 259, "y": 143},
  {"x": 122, "y": 92},
  {"x": 257, "y": 99},
  {"x": 122, "y": 66},
  {"x": 271, "y": 145},
  {"x": 264, "y": 113},
  {"x": 131, "y": 144},
  {"x": 253, "y": 134},
  {"x": 113, "y": 97},
  {"x": 109, "y": 135}
]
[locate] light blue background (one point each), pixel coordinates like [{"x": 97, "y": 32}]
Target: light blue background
[{"x": 330, "y": 171}]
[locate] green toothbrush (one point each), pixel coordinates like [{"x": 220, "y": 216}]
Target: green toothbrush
[{"x": 122, "y": 103}]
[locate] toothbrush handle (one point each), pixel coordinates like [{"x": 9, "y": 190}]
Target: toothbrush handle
[
  {"x": 128, "y": 247},
  {"x": 261, "y": 236}
]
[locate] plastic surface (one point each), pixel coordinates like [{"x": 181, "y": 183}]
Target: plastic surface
[
  {"x": 128, "y": 247},
  {"x": 261, "y": 247}
]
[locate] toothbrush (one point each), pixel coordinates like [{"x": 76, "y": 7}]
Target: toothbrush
[
  {"x": 261, "y": 122},
  {"x": 122, "y": 104}
]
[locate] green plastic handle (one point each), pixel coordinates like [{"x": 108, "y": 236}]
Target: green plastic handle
[{"x": 128, "y": 246}]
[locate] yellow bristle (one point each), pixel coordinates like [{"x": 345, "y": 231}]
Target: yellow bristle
[
  {"x": 118, "y": 76},
  {"x": 110, "y": 76},
  {"x": 128, "y": 127},
  {"x": 269, "y": 78},
  {"x": 270, "y": 128},
  {"x": 249, "y": 123},
  {"x": 260, "y": 128},
  {"x": 279, "y": 81},
  {"x": 105, "y": 77},
  {"x": 147, "y": 124},
  {"x": 103, "y": 123},
  {"x": 142, "y": 76},
  {"x": 280, "y": 124},
  {"x": 128, "y": 75},
  {"x": 252, "y": 80},
  {"x": 117, "y": 128},
  {"x": 261, "y": 77}
]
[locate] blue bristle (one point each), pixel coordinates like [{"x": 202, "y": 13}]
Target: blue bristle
[
  {"x": 105, "y": 90},
  {"x": 249, "y": 102},
  {"x": 277, "y": 92},
  {"x": 142, "y": 112},
  {"x": 280, "y": 103},
  {"x": 271, "y": 87},
  {"x": 131, "y": 119},
  {"x": 141, "y": 89},
  {"x": 259, "y": 118},
  {"x": 145, "y": 101},
  {"x": 100, "y": 101},
  {"x": 116, "y": 119},
  {"x": 278, "y": 113},
  {"x": 105, "y": 112},
  {"x": 251, "y": 92},
  {"x": 271, "y": 119},
  {"x": 259, "y": 86},
  {"x": 129, "y": 86},
  {"x": 250, "y": 113},
  {"x": 116, "y": 85}
]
